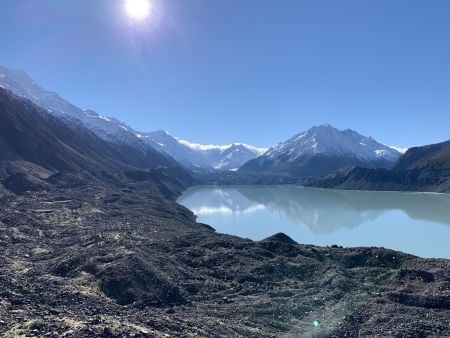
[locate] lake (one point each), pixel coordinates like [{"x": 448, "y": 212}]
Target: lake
[{"x": 416, "y": 223}]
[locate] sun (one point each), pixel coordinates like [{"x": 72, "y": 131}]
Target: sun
[{"x": 138, "y": 9}]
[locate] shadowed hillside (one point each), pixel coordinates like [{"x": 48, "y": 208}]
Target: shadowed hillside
[
  {"x": 424, "y": 168},
  {"x": 37, "y": 148}
]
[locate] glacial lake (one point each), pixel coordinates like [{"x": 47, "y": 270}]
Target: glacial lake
[{"x": 415, "y": 223}]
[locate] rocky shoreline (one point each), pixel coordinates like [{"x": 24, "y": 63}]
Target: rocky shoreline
[{"x": 96, "y": 261}]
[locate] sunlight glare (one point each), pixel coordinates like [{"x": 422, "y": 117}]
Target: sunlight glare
[{"x": 138, "y": 9}]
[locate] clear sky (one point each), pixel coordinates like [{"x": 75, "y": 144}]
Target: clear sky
[{"x": 254, "y": 71}]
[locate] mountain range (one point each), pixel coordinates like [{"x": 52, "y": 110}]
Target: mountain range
[
  {"x": 37, "y": 149},
  {"x": 44, "y": 137},
  {"x": 202, "y": 157},
  {"x": 318, "y": 151},
  {"x": 193, "y": 156}
]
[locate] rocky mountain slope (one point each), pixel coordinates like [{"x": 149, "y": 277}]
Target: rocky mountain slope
[
  {"x": 35, "y": 146},
  {"x": 434, "y": 156},
  {"x": 322, "y": 150},
  {"x": 193, "y": 156},
  {"x": 419, "y": 169},
  {"x": 108, "y": 128}
]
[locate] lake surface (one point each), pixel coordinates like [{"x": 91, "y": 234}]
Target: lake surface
[{"x": 416, "y": 223}]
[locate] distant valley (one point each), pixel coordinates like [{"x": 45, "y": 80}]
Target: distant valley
[{"x": 202, "y": 157}]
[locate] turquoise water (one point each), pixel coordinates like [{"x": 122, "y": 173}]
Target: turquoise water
[{"x": 416, "y": 223}]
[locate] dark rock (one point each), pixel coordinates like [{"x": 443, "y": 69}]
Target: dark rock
[
  {"x": 282, "y": 238},
  {"x": 107, "y": 333}
]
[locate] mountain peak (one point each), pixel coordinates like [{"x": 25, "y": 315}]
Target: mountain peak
[
  {"x": 321, "y": 127},
  {"x": 19, "y": 73},
  {"x": 161, "y": 132},
  {"x": 324, "y": 126},
  {"x": 323, "y": 149}
]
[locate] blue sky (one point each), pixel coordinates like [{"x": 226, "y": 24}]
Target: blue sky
[{"x": 251, "y": 71}]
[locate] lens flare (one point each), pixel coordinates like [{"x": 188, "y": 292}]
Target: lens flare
[{"x": 138, "y": 9}]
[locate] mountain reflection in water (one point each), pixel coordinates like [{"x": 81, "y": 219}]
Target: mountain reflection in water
[{"x": 246, "y": 210}]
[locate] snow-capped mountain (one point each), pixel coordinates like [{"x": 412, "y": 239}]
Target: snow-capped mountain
[
  {"x": 108, "y": 128},
  {"x": 224, "y": 157},
  {"x": 322, "y": 150},
  {"x": 228, "y": 157},
  {"x": 233, "y": 156}
]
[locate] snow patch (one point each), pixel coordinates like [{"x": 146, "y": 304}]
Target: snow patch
[
  {"x": 381, "y": 153},
  {"x": 206, "y": 147},
  {"x": 399, "y": 149},
  {"x": 103, "y": 118}
]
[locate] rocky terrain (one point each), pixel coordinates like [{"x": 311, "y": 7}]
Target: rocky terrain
[{"x": 95, "y": 261}]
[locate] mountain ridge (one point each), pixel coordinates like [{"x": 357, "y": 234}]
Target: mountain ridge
[
  {"x": 35, "y": 145},
  {"x": 425, "y": 168},
  {"x": 198, "y": 156},
  {"x": 112, "y": 129},
  {"x": 322, "y": 150}
]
